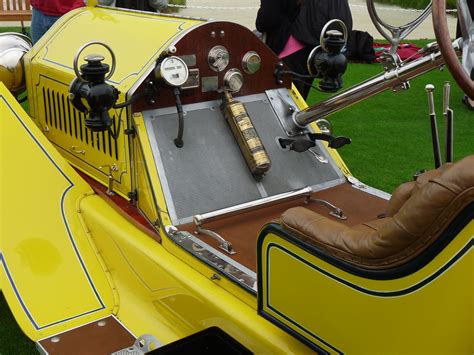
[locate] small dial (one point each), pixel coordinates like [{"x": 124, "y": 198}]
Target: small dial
[
  {"x": 173, "y": 71},
  {"x": 218, "y": 58},
  {"x": 233, "y": 80},
  {"x": 251, "y": 62}
]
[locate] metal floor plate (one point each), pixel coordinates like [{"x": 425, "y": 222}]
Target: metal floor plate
[{"x": 210, "y": 173}]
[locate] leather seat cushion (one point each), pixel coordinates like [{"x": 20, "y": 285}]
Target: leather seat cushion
[{"x": 432, "y": 203}]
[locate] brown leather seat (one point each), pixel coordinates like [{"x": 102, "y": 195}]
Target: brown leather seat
[{"x": 418, "y": 214}]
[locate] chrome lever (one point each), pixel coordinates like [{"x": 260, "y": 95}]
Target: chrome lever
[
  {"x": 319, "y": 157},
  {"x": 449, "y": 123}
]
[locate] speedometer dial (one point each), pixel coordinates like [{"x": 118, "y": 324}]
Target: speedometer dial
[{"x": 173, "y": 71}]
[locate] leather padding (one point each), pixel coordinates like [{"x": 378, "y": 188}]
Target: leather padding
[{"x": 420, "y": 217}]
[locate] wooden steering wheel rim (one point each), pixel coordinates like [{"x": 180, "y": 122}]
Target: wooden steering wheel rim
[{"x": 443, "y": 38}]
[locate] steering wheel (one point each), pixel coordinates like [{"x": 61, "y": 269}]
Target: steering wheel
[{"x": 460, "y": 74}]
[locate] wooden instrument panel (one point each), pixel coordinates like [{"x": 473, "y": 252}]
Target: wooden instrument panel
[{"x": 194, "y": 48}]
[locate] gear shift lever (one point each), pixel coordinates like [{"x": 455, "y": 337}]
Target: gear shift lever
[{"x": 434, "y": 128}]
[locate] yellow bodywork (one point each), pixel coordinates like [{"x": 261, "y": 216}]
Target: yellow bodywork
[
  {"x": 50, "y": 70},
  {"x": 429, "y": 311},
  {"x": 46, "y": 255},
  {"x": 80, "y": 257},
  {"x": 63, "y": 246}
]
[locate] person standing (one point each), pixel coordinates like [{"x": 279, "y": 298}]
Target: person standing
[
  {"x": 293, "y": 28},
  {"x": 46, "y": 13}
]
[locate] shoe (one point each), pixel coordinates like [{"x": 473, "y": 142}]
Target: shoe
[{"x": 468, "y": 104}]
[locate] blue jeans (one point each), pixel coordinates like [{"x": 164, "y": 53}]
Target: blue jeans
[{"x": 40, "y": 23}]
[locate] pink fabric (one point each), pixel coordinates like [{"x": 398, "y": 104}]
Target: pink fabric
[
  {"x": 405, "y": 51},
  {"x": 291, "y": 46}
]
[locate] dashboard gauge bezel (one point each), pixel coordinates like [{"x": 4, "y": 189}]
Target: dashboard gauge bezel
[
  {"x": 218, "y": 58},
  {"x": 165, "y": 74}
]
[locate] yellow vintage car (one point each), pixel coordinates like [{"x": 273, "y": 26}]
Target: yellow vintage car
[{"x": 180, "y": 197}]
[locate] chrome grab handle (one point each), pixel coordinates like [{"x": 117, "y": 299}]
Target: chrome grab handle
[
  {"x": 223, "y": 244},
  {"x": 200, "y": 219},
  {"x": 334, "y": 210}
]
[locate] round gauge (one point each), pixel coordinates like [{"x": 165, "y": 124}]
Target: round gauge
[
  {"x": 218, "y": 58},
  {"x": 251, "y": 62},
  {"x": 233, "y": 80},
  {"x": 173, "y": 71}
]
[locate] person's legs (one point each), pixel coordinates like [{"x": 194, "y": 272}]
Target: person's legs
[{"x": 40, "y": 23}]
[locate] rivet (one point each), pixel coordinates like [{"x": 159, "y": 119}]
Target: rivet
[
  {"x": 55, "y": 339},
  {"x": 213, "y": 34},
  {"x": 222, "y": 33},
  {"x": 102, "y": 323}
]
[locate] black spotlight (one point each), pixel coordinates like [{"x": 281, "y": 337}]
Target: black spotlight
[
  {"x": 327, "y": 61},
  {"x": 90, "y": 94}
]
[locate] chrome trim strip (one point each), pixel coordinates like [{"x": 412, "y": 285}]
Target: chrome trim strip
[
  {"x": 40, "y": 348},
  {"x": 261, "y": 189},
  {"x": 214, "y": 258},
  {"x": 369, "y": 189},
  {"x": 199, "y": 219}
]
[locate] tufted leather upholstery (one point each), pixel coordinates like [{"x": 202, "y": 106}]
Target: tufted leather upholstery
[{"x": 418, "y": 213}]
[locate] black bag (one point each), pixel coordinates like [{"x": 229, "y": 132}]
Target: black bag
[
  {"x": 313, "y": 16},
  {"x": 134, "y": 4},
  {"x": 360, "y": 47}
]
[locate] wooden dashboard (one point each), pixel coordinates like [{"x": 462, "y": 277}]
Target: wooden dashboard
[{"x": 194, "y": 48}]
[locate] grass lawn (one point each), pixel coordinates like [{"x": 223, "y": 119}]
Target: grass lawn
[
  {"x": 391, "y": 135},
  {"x": 390, "y": 141}
]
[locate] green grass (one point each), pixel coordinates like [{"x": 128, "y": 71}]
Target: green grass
[
  {"x": 391, "y": 136},
  {"x": 391, "y": 140},
  {"x": 12, "y": 340}
]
